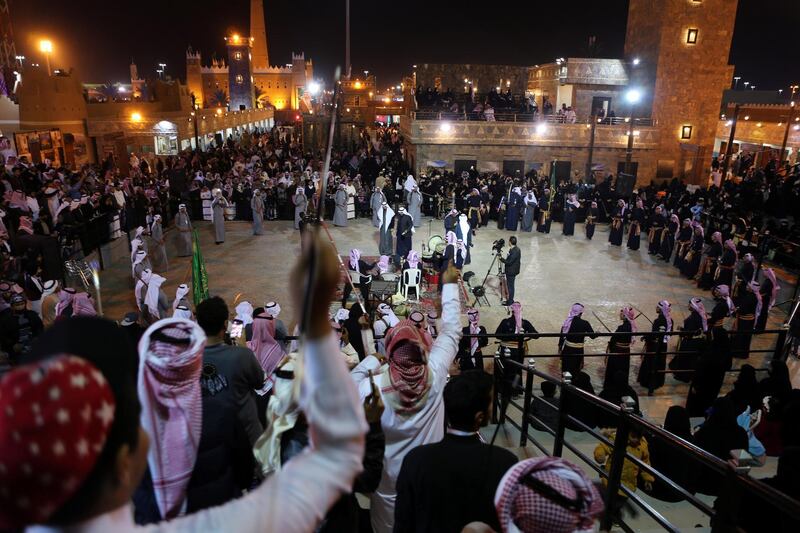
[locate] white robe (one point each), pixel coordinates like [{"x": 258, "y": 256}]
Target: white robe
[{"x": 425, "y": 426}]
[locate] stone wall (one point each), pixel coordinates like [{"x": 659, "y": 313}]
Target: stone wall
[
  {"x": 492, "y": 143},
  {"x": 690, "y": 78}
]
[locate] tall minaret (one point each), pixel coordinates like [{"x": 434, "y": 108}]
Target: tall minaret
[{"x": 258, "y": 32}]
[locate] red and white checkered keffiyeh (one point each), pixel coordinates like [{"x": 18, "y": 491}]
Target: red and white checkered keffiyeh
[
  {"x": 523, "y": 507},
  {"x": 269, "y": 352},
  {"x": 55, "y": 417},
  {"x": 405, "y": 386},
  {"x": 170, "y": 365}
]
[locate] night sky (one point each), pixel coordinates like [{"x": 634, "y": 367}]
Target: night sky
[{"x": 100, "y": 40}]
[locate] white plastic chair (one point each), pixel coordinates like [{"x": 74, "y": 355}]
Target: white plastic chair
[{"x": 411, "y": 280}]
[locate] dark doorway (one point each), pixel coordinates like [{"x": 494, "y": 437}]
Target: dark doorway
[
  {"x": 601, "y": 105},
  {"x": 562, "y": 170},
  {"x": 462, "y": 165},
  {"x": 513, "y": 166}
]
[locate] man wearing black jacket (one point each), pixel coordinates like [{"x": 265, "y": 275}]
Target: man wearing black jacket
[
  {"x": 512, "y": 262},
  {"x": 446, "y": 485}
]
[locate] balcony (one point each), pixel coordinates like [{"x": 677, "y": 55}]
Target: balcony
[{"x": 443, "y": 128}]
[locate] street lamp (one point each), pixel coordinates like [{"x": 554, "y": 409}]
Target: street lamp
[
  {"x": 736, "y": 82},
  {"x": 163, "y": 69},
  {"x": 46, "y": 47},
  {"x": 633, "y": 97}
]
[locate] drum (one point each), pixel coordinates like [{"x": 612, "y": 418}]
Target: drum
[{"x": 428, "y": 251}]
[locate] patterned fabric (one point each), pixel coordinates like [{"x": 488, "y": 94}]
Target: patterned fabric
[
  {"x": 474, "y": 317},
  {"x": 25, "y": 225},
  {"x": 65, "y": 297},
  {"x": 666, "y": 309},
  {"x": 408, "y": 377},
  {"x": 697, "y": 305},
  {"x": 355, "y": 255},
  {"x": 55, "y": 417},
  {"x": 724, "y": 292},
  {"x": 770, "y": 275},
  {"x": 547, "y": 495},
  {"x": 82, "y": 305},
  {"x": 268, "y": 351},
  {"x": 180, "y": 294},
  {"x": 516, "y": 310},
  {"x": 413, "y": 259},
  {"x": 716, "y": 237},
  {"x": 170, "y": 365},
  {"x": 576, "y": 310},
  {"x": 630, "y": 315},
  {"x": 756, "y": 288}
]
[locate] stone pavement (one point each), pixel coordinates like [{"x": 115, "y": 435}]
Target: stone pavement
[{"x": 556, "y": 272}]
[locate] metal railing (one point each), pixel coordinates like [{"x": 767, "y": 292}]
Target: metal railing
[
  {"x": 526, "y": 117},
  {"x": 734, "y": 485},
  {"x": 780, "y": 349}
]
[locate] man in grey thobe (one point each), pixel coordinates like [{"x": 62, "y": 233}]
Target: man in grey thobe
[
  {"x": 300, "y": 203},
  {"x": 375, "y": 202},
  {"x": 257, "y": 205},
  {"x": 340, "y": 206},
  {"x": 385, "y": 219},
  {"x": 184, "y": 226},
  {"x": 415, "y": 206},
  {"x": 218, "y": 205},
  {"x": 158, "y": 252}
]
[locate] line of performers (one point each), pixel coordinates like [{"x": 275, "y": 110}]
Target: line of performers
[{"x": 702, "y": 360}]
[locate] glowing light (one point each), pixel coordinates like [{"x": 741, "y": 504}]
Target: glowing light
[
  {"x": 219, "y": 111},
  {"x": 636, "y": 61},
  {"x": 386, "y": 100},
  {"x": 445, "y": 127},
  {"x": 314, "y": 88},
  {"x": 797, "y": 128},
  {"x": 633, "y": 96},
  {"x": 121, "y": 89},
  {"x": 747, "y": 117},
  {"x": 46, "y": 46},
  {"x": 136, "y": 116},
  {"x": 357, "y": 85},
  {"x": 347, "y": 109},
  {"x": 758, "y": 125},
  {"x": 541, "y": 128},
  {"x": 729, "y": 123},
  {"x": 235, "y": 37}
]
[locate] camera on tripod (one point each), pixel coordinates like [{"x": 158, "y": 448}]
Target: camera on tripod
[{"x": 497, "y": 246}]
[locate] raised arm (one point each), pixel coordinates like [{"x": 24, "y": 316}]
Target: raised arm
[
  {"x": 445, "y": 347},
  {"x": 297, "y": 497}
]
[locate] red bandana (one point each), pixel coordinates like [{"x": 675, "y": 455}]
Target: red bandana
[{"x": 54, "y": 420}]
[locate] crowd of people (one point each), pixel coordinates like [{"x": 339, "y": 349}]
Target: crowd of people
[{"x": 203, "y": 385}]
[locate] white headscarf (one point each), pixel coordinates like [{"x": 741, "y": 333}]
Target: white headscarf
[
  {"x": 151, "y": 297},
  {"x": 282, "y": 412},
  {"x": 182, "y": 311},
  {"x": 141, "y": 255},
  {"x": 389, "y": 214},
  {"x": 180, "y": 292},
  {"x": 244, "y": 312},
  {"x": 463, "y": 224},
  {"x": 272, "y": 309},
  {"x": 386, "y": 311}
]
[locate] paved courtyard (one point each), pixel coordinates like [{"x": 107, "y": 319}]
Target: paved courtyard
[{"x": 556, "y": 272}]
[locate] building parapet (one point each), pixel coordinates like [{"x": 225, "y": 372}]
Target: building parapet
[
  {"x": 216, "y": 69},
  {"x": 582, "y": 70},
  {"x": 527, "y": 134},
  {"x": 272, "y": 70}
]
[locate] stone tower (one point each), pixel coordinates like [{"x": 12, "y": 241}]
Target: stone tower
[
  {"x": 194, "y": 76},
  {"x": 683, "y": 48},
  {"x": 258, "y": 33},
  {"x": 240, "y": 74}
]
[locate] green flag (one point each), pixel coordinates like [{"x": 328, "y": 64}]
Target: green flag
[{"x": 199, "y": 275}]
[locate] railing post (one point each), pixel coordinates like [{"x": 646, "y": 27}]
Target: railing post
[
  {"x": 558, "y": 442},
  {"x": 498, "y": 394},
  {"x": 615, "y": 470},
  {"x": 727, "y": 504},
  {"x": 780, "y": 345},
  {"x": 659, "y": 351},
  {"x": 526, "y": 405}
]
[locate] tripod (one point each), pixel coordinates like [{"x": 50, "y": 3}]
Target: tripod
[{"x": 480, "y": 290}]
